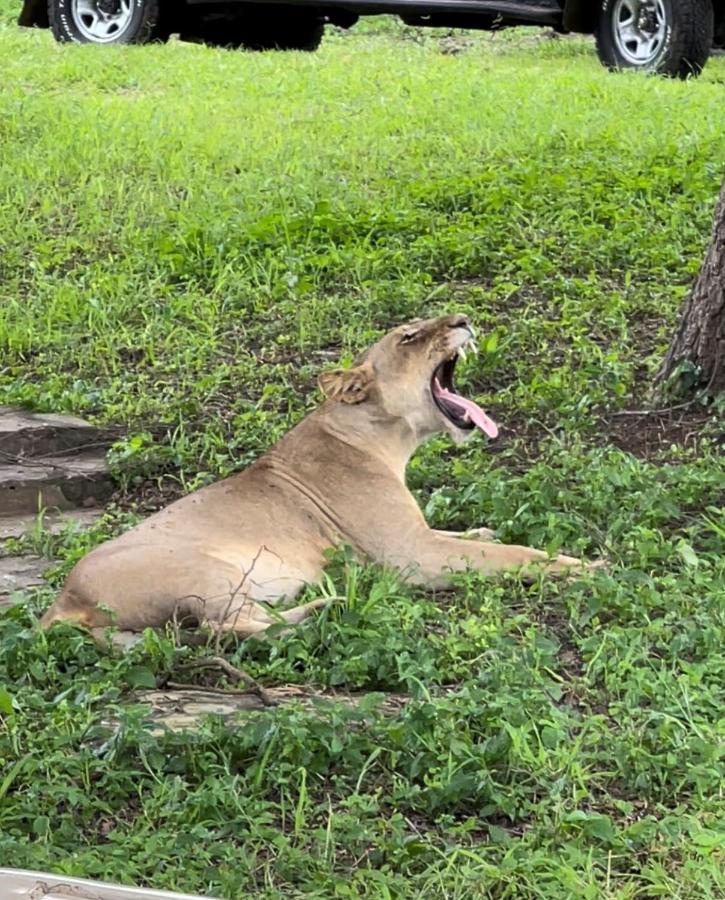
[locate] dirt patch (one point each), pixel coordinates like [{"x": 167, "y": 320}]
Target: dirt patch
[
  {"x": 652, "y": 435},
  {"x": 150, "y": 496}
]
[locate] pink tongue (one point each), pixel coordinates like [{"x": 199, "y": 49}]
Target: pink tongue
[{"x": 471, "y": 412}]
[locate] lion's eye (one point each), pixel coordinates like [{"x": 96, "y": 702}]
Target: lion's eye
[{"x": 409, "y": 336}]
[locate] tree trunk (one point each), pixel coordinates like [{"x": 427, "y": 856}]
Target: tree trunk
[{"x": 695, "y": 362}]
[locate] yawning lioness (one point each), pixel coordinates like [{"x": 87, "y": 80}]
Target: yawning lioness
[{"x": 220, "y": 554}]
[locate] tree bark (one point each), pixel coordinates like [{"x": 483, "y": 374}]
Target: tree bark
[{"x": 700, "y": 336}]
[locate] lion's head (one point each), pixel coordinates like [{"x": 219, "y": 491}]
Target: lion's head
[{"x": 408, "y": 374}]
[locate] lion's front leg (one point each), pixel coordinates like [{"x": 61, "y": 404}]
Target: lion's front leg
[
  {"x": 435, "y": 557},
  {"x": 472, "y": 534}
]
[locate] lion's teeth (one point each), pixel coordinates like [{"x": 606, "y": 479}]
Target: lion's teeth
[{"x": 461, "y": 352}]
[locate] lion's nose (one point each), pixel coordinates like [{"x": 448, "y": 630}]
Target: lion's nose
[{"x": 458, "y": 321}]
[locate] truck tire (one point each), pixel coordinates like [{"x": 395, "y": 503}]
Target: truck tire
[
  {"x": 104, "y": 21},
  {"x": 671, "y": 37}
]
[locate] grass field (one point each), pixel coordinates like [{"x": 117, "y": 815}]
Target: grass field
[{"x": 187, "y": 236}]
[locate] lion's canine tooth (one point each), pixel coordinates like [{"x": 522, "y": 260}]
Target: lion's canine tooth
[{"x": 461, "y": 352}]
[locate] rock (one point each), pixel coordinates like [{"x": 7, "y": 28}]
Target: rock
[
  {"x": 34, "y": 435},
  {"x": 55, "y": 482},
  {"x": 53, "y": 522},
  {"x": 19, "y": 573},
  {"x": 23, "y": 884},
  {"x": 51, "y": 463}
]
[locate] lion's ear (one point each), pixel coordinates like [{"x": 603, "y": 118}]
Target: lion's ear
[{"x": 347, "y": 385}]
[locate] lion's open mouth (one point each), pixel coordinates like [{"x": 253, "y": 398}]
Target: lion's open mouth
[{"x": 464, "y": 413}]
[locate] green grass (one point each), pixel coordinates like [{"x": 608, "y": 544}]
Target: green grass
[{"x": 187, "y": 236}]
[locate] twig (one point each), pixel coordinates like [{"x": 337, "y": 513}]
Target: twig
[
  {"x": 41, "y": 459},
  {"x": 549, "y": 431},
  {"x": 233, "y": 596},
  {"x": 655, "y": 412},
  {"x": 230, "y": 692},
  {"x": 235, "y": 674},
  {"x": 411, "y": 824}
]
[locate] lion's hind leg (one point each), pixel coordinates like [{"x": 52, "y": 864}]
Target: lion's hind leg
[{"x": 252, "y": 619}]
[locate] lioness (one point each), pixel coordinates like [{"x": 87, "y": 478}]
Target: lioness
[{"x": 221, "y": 553}]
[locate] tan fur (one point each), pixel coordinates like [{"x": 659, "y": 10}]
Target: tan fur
[{"x": 221, "y": 554}]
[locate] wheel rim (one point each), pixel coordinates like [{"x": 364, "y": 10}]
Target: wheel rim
[
  {"x": 639, "y": 30},
  {"x": 102, "y": 21}
]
